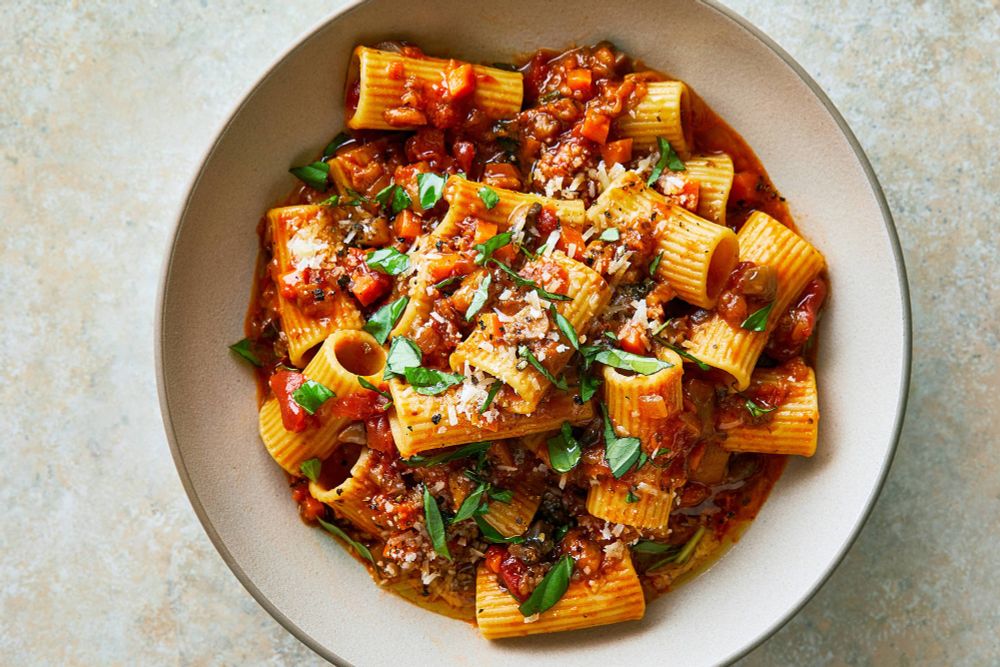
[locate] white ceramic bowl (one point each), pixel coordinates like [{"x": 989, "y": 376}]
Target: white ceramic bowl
[{"x": 311, "y": 585}]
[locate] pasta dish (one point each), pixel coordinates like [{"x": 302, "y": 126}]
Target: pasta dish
[{"x": 533, "y": 339}]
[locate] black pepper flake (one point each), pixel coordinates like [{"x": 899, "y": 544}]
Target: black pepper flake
[
  {"x": 578, "y": 400},
  {"x": 436, "y": 419},
  {"x": 439, "y": 246},
  {"x": 343, "y": 282},
  {"x": 319, "y": 294}
]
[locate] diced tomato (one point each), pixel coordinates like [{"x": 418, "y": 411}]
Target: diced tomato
[
  {"x": 449, "y": 265},
  {"x": 579, "y": 80},
  {"x": 571, "y": 236},
  {"x": 368, "y": 287},
  {"x": 484, "y": 231},
  {"x": 496, "y": 328},
  {"x": 312, "y": 509},
  {"x": 464, "y": 153},
  {"x": 512, "y": 571},
  {"x": 690, "y": 194},
  {"x": 283, "y": 384},
  {"x": 596, "y": 126},
  {"x": 547, "y": 222},
  {"x": 380, "y": 434},
  {"x": 461, "y": 81},
  {"x": 631, "y": 339},
  {"x": 407, "y": 225},
  {"x": 426, "y": 145},
  {"x": 617, "y": 152},
  {"x": 495, "y": 555},
  {"x": 744, "y": 187},
  {"x": 357, "y": 406},
  {"x": 796, "y": 324}
]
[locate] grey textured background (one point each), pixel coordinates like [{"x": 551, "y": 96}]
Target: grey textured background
[{"x": 105, "y": 111}]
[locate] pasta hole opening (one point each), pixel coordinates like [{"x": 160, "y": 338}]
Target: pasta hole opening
[
  {"x": 352, "y": 88},
  {"x": 723, "y": 260},
  {"x": 687, "y": 124},
  {"x": 337, "y": 467},
  {"x": 360, "y": 356}
]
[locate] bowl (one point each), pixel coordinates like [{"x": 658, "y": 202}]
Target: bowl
[{"x": 310, "y": 584}]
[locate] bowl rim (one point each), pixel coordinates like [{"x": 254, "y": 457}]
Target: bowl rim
[{"x": 223, "y": 129}]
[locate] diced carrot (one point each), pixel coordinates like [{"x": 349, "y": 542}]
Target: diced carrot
[
  {"x": 449, "y": 265},
  {"x": 630, "y": 339},
  {"x": 617, "y": 152},
  {"x": 505, "y": 254},
  {"x": 689, "y": 194},
  {"x": 484, "y": 231},
  {"x": 494, "y": 326},
  {"x": 570, "y": 236},
  {"x": 502, "y": 175},
  {"x": 596, "y": 127},
  {"x": 579, "y": 79},
  {"x": 407, "y": 225},
  {"x": 461, "y": 81},
  {"x": 367, "y": 288}
]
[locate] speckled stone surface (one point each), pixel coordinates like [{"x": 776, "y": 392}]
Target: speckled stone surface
[{"x": 105, "y": 112}]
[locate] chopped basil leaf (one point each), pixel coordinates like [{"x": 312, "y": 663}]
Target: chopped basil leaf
[
  {"x": 368, "y": 385},
  {"x": 630, "y": 497},
  {"x": 244, "y": 349},
  {"x": 668, "y": 158},
  {"x": 525, "y": 353},
  {"x": 311, "y": 469},
  {"x": 388, "y": 260},
  {"x": 550, "y": 589},
  {"x": 471, "y": 504},
  {"x": 430, "y": 186},
  {"x": 462, "y": 452},
  {"x": 490, "y": 395},
  {"x": 663, "y": 326},
  {"x": 310, "y": 395},
  {"x": 314, "y": 175},
  {"x": 384, "y": 196},
  {"x": 400, "y": 199},
  {"x": 620, "y": 453},
  {"x": 757, "y": 321},
  {"x": 505, "y": 496},
  {"x": 755, "y": 410},
  {"x": 338, "y": 141},
  {"x": 403, "y": 354},
  {"x": 550, "y": 96},
  {"x": 521, "y": 281},
  {"x": 651, "y": 547},
  {"x": 489, "y": 196},
  {"x": 361, "y": 549},
  {"x": 681, "y": 555},
  {"x": 447, "y": 281},
  {"x": 610, "y": 234},
  {"x": 631, "y": 362},
  {"x": 429, "y": 382},
  {"x": 655, "y": 264},
  {"x": 564, "y": 450},
  {"x": 332, "y": 200},
  {"x": 524, "y": 250},
  {"x": 356, "y": 198},
  {"x": 494, "y": 536},
  {"x": 610, "y": 335},
  {"x": 565, "y": 326},
  {"x": 686, "y": 355},
  {"x": 479, "y": 297},
  {"x": 385, "y": 318},
  {"x": 588, "y": 386},
  {"x": 435, "y": 525},
  {"x": 560, "y": 533},
  {"x": 484, "y": 251}
]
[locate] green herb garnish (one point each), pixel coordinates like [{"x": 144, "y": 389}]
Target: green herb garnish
[
  {"x": 550, "y": 589},
  {"x": 462, "y": 452},
  {"x": 490, "y": 395},
  {"x": 489, "y": 197},
  {"x": 494, "y": 536},
  {"x": 685, "y": 354},
  {"x": 668, "y": 158},
  {"x": 430, "y": 382},
  {"x": 311, "y": 469},
  {"x": 472, "y": 504},
  {"x": 757, "y": 321},
  {"x": 588, "y": 386},
  {"x": 610, "y": 234},
  {"x": 338, "y": 141},
  {"x": 435, "y": 525},
  {"x": 620, "y": 453},
  {"x": 484, "y": 251},
  {"x": 430, "y": 187},
  {"x": 314, "y": 175},
  {"x": 361, "y": 549},
  {"x": 447, "y": 281},
  {"x": 310, "y": 395},
  {"x": 755, "y": 410},
  {"x": 564, "y": 450},
  {"x": 368, "y": 385},
  {"x": 244, "y": 349},
  {"x": 403, "y": 354},
  {"x": 388, "y": 260},
  {"x": 479, "y": 298},
  {"x": 630, "y": 497},
  {"x": 565, "y": 327},
  {"x": 525, "y": 353},
  {"x": 631, "y": 362},
  {"x": 655, "y": 264},
  {"x": 521, "y": 281},
  {"x": 680, "y": 556},
  {"x": 385, "y": 318}
]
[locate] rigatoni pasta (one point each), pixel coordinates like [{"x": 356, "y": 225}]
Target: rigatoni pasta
[{"x": 527, "y": 343}]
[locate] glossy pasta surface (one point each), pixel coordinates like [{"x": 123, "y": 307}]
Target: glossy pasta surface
[{"x": 533, "y": 339}]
